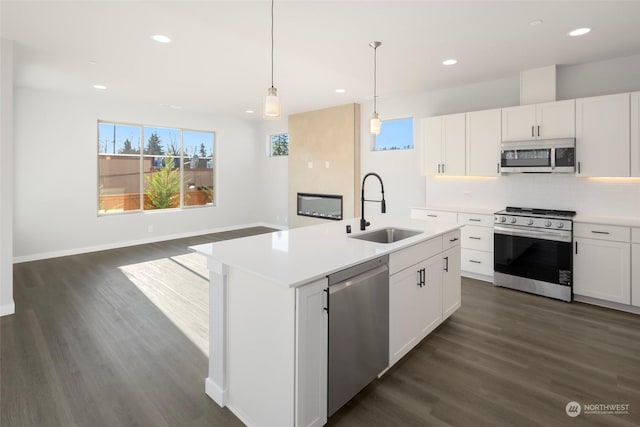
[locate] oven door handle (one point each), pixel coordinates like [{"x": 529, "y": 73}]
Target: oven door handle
[{"x": 558, "y": 236}]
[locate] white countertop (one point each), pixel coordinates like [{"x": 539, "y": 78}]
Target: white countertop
[
  {"x": 294, "y": 257},
  {"x": 608, "y": 220},
  {"x": 464, "y": 209}
]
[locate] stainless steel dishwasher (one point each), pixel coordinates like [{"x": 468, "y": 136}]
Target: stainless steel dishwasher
[{"x": 358, "y": 329}]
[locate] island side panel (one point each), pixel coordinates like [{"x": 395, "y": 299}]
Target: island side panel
[
  {"x": 216, "y": 383},
  {"x": 261, "y": 350}
]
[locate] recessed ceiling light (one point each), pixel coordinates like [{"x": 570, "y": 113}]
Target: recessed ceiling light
[
  {"x": 449, "y": 62},
  {"x": 249, "y": 111},
  {"x": 100, "y": 87},
  {"x": 535, "y": 22},
  {"x": 341, "y": 90},
  {"x": 161, "y": 39},
  {"x": 579, "y": 32}
]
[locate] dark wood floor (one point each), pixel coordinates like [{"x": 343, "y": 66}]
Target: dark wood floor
[{"x": 119, "y": 338}]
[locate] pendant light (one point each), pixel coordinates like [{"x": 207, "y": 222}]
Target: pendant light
[
  {"x": 271, "y": 110},
  {"x": 374, "y": 123}
]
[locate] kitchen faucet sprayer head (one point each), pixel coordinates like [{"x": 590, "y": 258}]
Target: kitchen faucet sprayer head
[{"x": 384, "y": 206}]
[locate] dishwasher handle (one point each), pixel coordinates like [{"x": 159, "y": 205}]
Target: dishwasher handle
[
  {"x": 348, "y": 273},
  {"x": 360, "y": 279}
]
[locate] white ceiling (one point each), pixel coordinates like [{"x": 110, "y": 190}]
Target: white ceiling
[{"x": 218, "y": 61}]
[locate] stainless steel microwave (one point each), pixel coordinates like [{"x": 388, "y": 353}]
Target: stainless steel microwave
[{"x": 539, "y": 156}]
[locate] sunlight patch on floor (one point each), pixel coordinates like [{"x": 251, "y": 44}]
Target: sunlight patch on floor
[{"x": 178, "y": 287}]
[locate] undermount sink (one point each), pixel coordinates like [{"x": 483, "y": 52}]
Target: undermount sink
[{"x": 387, "y": 235}]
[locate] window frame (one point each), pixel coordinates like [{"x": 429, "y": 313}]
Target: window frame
[
  {"x": 413, "y": 134},
  {"x": 141, "y": 209},
  {"x": 270, "y": 145}
]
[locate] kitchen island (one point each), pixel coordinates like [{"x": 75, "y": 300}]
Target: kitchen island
[{"x": 268, "y": 323}]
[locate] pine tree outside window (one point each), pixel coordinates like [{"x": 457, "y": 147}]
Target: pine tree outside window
[{"x": 279, "y": 145}]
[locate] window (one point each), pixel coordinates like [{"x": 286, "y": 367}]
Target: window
[
  {"x": 394, "y": 135},
  {"x": 147, "y": 168},
  {"x": 279, "y": 144}
]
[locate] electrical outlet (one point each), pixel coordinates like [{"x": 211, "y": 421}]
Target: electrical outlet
[{"x": 150, "y": 228}]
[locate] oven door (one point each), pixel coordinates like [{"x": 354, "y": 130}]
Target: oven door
[{"x": 538, "y": 254}]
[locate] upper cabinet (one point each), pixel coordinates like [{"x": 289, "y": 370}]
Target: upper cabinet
[
  {"x": 483, "y": 142},
  {"x": 549, "y": 120},
  {"x": 635, "y": 136},
  {"x": 602, "y": 136},
  {"x": 443, "y": 145}
]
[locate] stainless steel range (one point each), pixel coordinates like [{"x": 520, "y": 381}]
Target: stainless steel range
[{"x": 533, "y": 251}]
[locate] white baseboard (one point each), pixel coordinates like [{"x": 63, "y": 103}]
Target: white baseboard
[
  {"x": 216, "y": 393},
  {"x": 96, "y": 248},
  {"x": 607, "y": 304},
  {"x": 477, "y": 276},
  {"x": 7, "y": 309}
]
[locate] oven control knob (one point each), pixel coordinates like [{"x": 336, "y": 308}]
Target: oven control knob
[
  {"x": 559, "y": 224},
  {"x": 530, "y": 221},
  {"x": 503, "y": 219},
  {"x": 512, "y": 220},
  {"x": 547, "y": 223}
]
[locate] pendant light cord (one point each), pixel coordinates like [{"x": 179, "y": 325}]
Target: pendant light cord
[
  {"x": 375, "y": 62},
  {"x": 271, "y": 43}
]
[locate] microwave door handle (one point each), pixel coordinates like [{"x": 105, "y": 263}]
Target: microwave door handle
[{"x": 553, "y": 158}]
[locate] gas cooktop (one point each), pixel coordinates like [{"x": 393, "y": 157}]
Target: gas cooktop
[{"x": 535, "y": 212}]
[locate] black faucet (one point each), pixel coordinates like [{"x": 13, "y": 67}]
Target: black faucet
[{"x": 364, "y": 222}]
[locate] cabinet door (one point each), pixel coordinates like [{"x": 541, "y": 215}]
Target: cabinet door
[
  {"x": 556, "y": 119},
  {"x": 403, "y": 288},
  {"x": 484, "y": 130},
  {"x": 432, "y": 132},
  {"x": 451, "y": 291},
  {"x": 635, "y": 135},
  {"x": 428, "y": 301},
  {"x": 635, "y": 274},
  {"x": 518, "y": 123},
  {"x": 453, "y": 159},
  {"x": 602, "y": 269},
  {"x": 602, "y": 135},
  {"x": 311, "y": 355}
]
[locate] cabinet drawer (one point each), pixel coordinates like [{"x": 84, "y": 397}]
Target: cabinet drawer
[
  {"x": 602, "y": 232},
  {"x": 479, "y": 262},
  {"x": 635, "y": 235},
  {"x": 479, "y": 238},
  {"x": 432, "y": 215},
  {"x": 412, "y": 255},
  {"x": 451, "y": 239},
  {"x": 475, "y": 219}
]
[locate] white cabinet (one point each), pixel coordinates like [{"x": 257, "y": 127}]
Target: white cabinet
[
  {"x": 443, "y": 145},
  {"x": 415, "y": 305},
  {"x": 311, "y": 355},
  {"x": 451, "y": 286},
  {"x": 483, "y": 136},
  {"x": 548, "y": 120},
  {"x": 602, "y": 136},
  {"x": 635, "y": 267},
  {"x": 434, "y": 215},
  {"x": 601, "y": 262},
  {"x": 422, "y": 294},
  {"x": 635, "y": 134}
]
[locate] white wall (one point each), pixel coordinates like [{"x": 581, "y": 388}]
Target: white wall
[
  {"x": 274, "y": 179},
  {"x": 56, "y": 175},
  {"x": 6, "y": 177},
  {"x": 401, "y": 169}
]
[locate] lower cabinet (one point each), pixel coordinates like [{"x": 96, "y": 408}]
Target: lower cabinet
[
  {"x": 635, "y": 274},
  {"x": 311, "y": 355},
  {"x": 602, "y": 269},
  {"x": 635, "y": 267},
  {"x": 421, "y": 296},
  {"x": 451, "y": 286}
]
